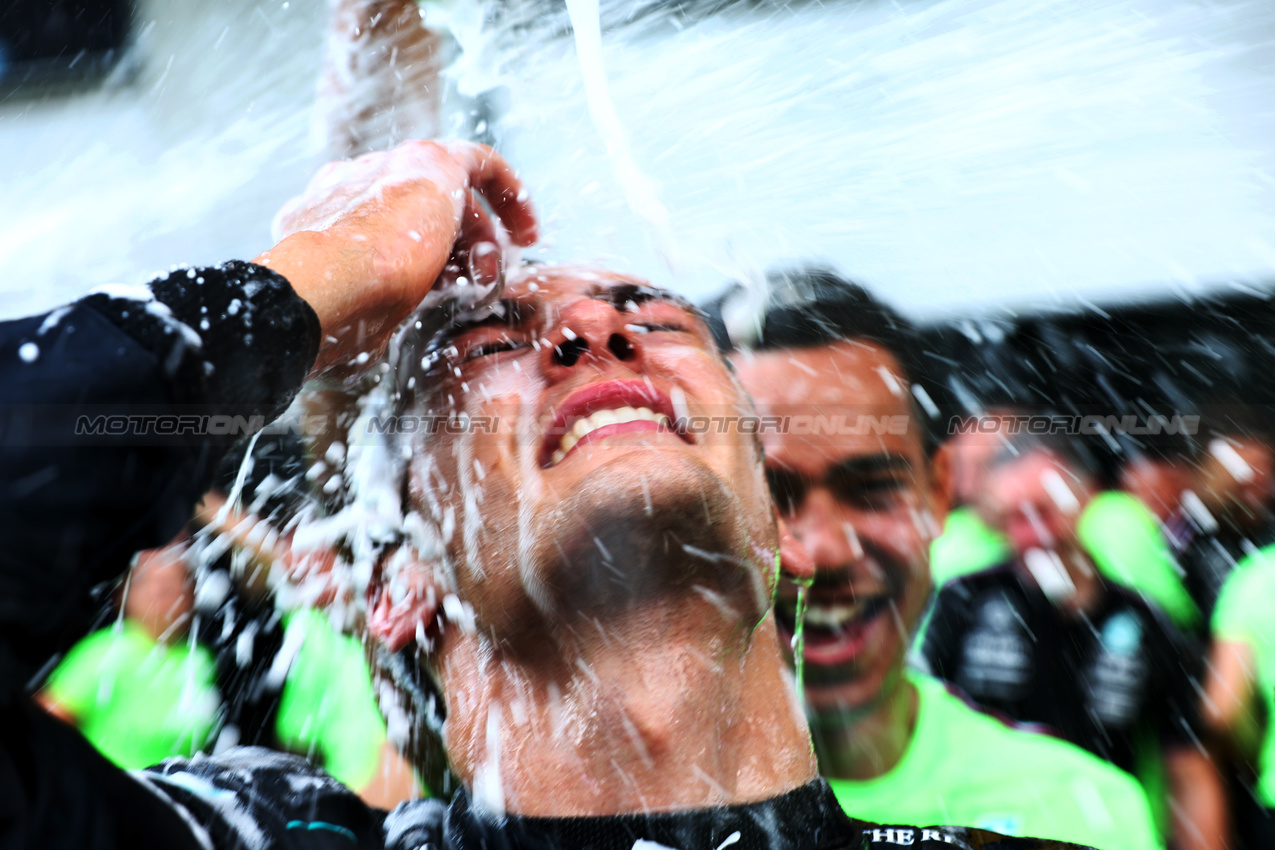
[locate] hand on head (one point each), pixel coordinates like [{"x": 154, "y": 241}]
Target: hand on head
[{"x": 369, "y": 237}]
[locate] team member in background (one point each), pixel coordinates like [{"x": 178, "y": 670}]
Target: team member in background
[
  {"x": 1046, "y": 638},
  {"x": 1158, "y": 477},
  {"x": 1119, "y": 534},
  {"x": 1239, "y": 701},
  {"x": 139, "y": 689},
  {"x": 894, "y": 745},
  {"x": 142, "y": 689},
  {"x": 1227, "y": 513}
]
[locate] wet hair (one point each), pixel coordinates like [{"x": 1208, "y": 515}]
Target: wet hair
[
  {"x": 1226, "y": 416},
  {"x": 810, "y": 306}
]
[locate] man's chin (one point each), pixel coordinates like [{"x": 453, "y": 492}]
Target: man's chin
[
  {"x": 837, "y": 695},
  {"x": 627, "y": 530}
]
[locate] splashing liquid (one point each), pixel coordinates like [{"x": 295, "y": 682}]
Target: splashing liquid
[
  {"x": 236, "y": 489},
  {"x": 799, "y": 636},
  {"x": 586, "y": 26}
]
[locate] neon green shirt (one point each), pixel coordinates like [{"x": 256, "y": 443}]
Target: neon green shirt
[
  {"x": 966, "y": 546},
  {"x": 136, "y": 700},
  {"x": 964, "y": 768},
  {"x": 327, "y": 709},
  {"x": 1126, "y": 544},
  {"x": 1245, "y": 613}
]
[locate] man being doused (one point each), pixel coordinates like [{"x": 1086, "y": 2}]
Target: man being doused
[
  {"x": 600, "y": 623},
  {"x": 1046, "y": 638},
  {"x": 599, "y": 619},
  {"x": 1227, "y": 512},
  {"x": 864, "y": 489}
]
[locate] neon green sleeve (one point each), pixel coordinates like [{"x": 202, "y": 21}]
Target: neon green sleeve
[
  {"x": 1126, "y": 544},
  {"x": 966, "y": 545},
  {"x": 327, "y": 708},
  {"x": 1244, "y": 614},
  {"x": 75, "y": 682},
  {"x": 1245, "y": 608}
]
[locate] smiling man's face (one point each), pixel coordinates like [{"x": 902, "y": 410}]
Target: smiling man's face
[
  {"x": 862, "y": 500},
  {"x": 574, "y": 493}
]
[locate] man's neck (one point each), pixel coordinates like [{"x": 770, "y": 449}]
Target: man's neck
[
  {"x": 657, "y": 710},
  {"x": 869, "y": 743}
]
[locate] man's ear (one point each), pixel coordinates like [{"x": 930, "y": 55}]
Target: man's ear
[
  {"x": 403, "y": 602},
  {"x": 794, "y": 560},
  {"x": 941, "y": 483}
]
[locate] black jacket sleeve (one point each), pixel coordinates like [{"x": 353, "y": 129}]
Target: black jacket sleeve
[{"x": 115, "y": 413}]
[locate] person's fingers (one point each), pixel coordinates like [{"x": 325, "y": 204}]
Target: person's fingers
[
  {"x": 476, "y": 224},
  {"x": 477, "y": 250},
  {"x": 486, "y": 264},
  {"x": 496, "y": 181}
]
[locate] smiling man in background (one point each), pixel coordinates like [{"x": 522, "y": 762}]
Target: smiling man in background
[{"x": 864, "y": 498}]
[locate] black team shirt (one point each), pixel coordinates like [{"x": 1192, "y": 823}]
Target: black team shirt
[{"x": 1112, "y": 681}]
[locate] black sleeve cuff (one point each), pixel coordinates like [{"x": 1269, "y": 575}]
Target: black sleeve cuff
[{"x": 233, "y": 336}]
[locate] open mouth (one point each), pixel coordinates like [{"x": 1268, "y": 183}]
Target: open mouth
[
  {"x": 607, "y": 409},
  {"x": 836, "y": 631}
]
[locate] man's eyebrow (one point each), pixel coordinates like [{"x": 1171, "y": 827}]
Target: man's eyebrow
[
  {"x": 874, "y": 464},
  {"x": 623, "y": 295}
]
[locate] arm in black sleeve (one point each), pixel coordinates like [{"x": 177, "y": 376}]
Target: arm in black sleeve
[
  {"x": 1180, "y": 661},
  {"x": 107, "y": 435}
]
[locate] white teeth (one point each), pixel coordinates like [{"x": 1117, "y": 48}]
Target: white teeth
[
  {"x": 832, "y": 616},
  {"x": 601, "y": 419}
]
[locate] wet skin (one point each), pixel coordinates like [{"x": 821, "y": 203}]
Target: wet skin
[
  {"x": 864, "y": 505},
  {"x": 1036, "y": 501},
  {"x": 546, "y": 540},
  {"x": 622, "y": 646},
  {"x": 1157, "y": 483},
  {"x": 1235, "y": 479}
]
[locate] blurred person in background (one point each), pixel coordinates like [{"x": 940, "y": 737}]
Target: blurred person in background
[
  {"x": 177, "y": 674},
  {"x": 1226, "y": 514},
  {"x": 967, "y": 544},
  {"x": 1047, "y": 638},
  {"x": 1239, "y": 695},
  {"x": 290, "y": 680},
  {"x": 1158, "y": 478},
  {"x": 140, "y": 689},
  {"x": 1119, "y": 534},
  {"x": 864, "y": 502}
]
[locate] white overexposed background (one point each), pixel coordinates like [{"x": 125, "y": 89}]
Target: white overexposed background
[{"x": 952, "y": 154}]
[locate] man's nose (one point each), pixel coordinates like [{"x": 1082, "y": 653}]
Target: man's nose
[
  {"x": 590, "y": 332},
  {"x": 826, "y": 531}
]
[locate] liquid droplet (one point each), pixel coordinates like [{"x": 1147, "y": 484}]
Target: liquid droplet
[{"x": 799, "y": 636}]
